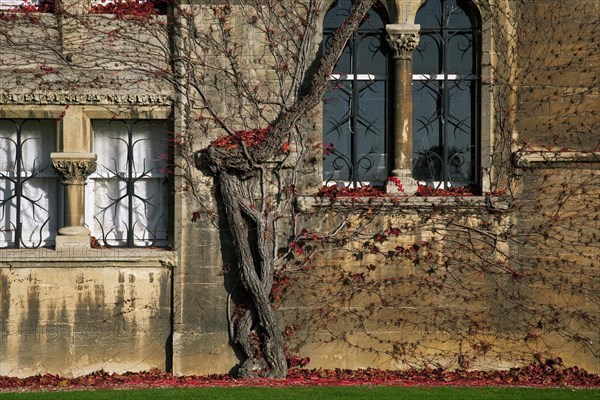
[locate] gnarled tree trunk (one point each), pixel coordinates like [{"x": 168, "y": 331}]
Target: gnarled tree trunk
[
  {"x": 252, "y": 226},
  {"x": 256, "y": 270}
]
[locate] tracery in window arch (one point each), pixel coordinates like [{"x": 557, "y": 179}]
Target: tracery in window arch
[
  {"x": 446, "y": 95},
  {"x": 355, "y": 114}
]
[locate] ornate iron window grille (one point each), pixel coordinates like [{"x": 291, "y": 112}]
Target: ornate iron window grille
[
  {"x": 132, "y": 201},
  {"x": 446, "y": 93},
  {"x": 355, "y": 108},
  {"x": 17, "y": 188}
]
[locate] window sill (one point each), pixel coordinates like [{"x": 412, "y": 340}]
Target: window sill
[
  {"x": 408, "y": 204},
  {"x": 115, "y": 257},
  {"x": 128, "y": 16}
]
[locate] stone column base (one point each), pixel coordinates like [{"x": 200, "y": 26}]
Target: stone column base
[
  {"x": 409, "y": 184},
  {"x": 73, "y": 244}
]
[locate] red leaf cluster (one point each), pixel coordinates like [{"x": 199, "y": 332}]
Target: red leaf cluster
[
  {"x": 95, "y": 243},
  {"x": 251, "y": 138},
  {"x": 281, "y": 282},
  {"x": 297, "y": 361},
  {"x": 538, "y": 374},
  {"x": 426, "y": 191},
  {"x": 305, "y": 234},
  {"x": 9, "y": 16},
  {"x": 136, "y": 9},
  {"x": 328, "y": 148},
  {"x": 334, "y": 191},
  {"x": 396, "y": 182}
]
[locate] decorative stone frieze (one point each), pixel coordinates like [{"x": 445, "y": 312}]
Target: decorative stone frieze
[{"x": 83, "y": 98}]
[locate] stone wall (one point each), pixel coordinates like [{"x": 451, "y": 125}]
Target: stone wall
[
  {"x": 480, "y": 289},
  {"x": 482, "y": 282},
  {"x": 415, "y": 283},
  {"x": 556, "y": 231},
  {"x": 75, "y": 315},
  {"x": 559, "y": 74},
  {"x": 76, "y": 310}
]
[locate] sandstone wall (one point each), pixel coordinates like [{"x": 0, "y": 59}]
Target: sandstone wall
[
  {"x": 482, "y": 289},
  {"x": 76, "y": 315}
]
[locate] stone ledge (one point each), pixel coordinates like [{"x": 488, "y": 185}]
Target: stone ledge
[
  {"x": 548, "y": 158},
  {"x": 51, "y": 258},
  {"x": 408, "y": 204}
]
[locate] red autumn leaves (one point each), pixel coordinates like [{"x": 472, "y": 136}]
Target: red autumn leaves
[{"x": 541, "y": 373}]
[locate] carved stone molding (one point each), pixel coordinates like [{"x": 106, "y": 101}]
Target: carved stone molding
[
  {"x": 83, "y": 98},
  {"x": 403, "y": 39},
  {"x": 403, "y": 44},
  {"x": 74, "y": 168}
]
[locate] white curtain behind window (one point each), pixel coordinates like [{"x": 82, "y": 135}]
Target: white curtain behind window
[
  {"x": 39, "y": 212},
  {"x": 112, "y": 209}
]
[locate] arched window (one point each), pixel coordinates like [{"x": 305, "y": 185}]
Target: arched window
[
  {"x": 446, "y": 95},
  {"x": 355, "y": 108}
]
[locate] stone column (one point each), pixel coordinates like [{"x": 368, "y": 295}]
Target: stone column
[
  {"x": 403, "y": 39},
  {"x": 74, "y": 169}
]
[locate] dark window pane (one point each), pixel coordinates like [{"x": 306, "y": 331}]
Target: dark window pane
[
  {"x": 336, "y": 131},
  {"x": 373, "y": 21},
  {"x": 459, "y": 51},
  {"x": 460, "y": 143},
  {"x": 354, "y": 108},
  {"x": 459, "y": 108},
  {"x": 430, "y": 15},
  {"x": 427, "y": 58},
  {"x": 370, "y": 132},
  {"x": 336, "y": 15},
  {"x": 427, "y": 130},
  {"x": 456, "y": 17},
  {"x": 450, "y": 14},
  {"x": 370, "y": 55},
  {"x": 445, "y": 102}
]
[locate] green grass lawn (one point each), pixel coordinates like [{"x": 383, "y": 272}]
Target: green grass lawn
[{"x": 320, "y": 393}]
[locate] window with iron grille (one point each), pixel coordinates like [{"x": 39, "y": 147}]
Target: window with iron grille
[
  {"x": 15, "y": 4},
  {"x": 28, "y": 5},
  {"x": 30, "y": 192},
  {"x": 446, "y": 92},
  {"x": 127, "y": 200},
  {"x": 355, "y": 115}
]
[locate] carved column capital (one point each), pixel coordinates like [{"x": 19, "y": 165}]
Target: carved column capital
[
  {"x": 74, "y": 168},
  {"x": 403, "y": 39}
]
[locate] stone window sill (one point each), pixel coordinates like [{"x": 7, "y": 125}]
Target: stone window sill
[
  {"x": 414, "y": 204},
  {"x": 51, "y": 258}
]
